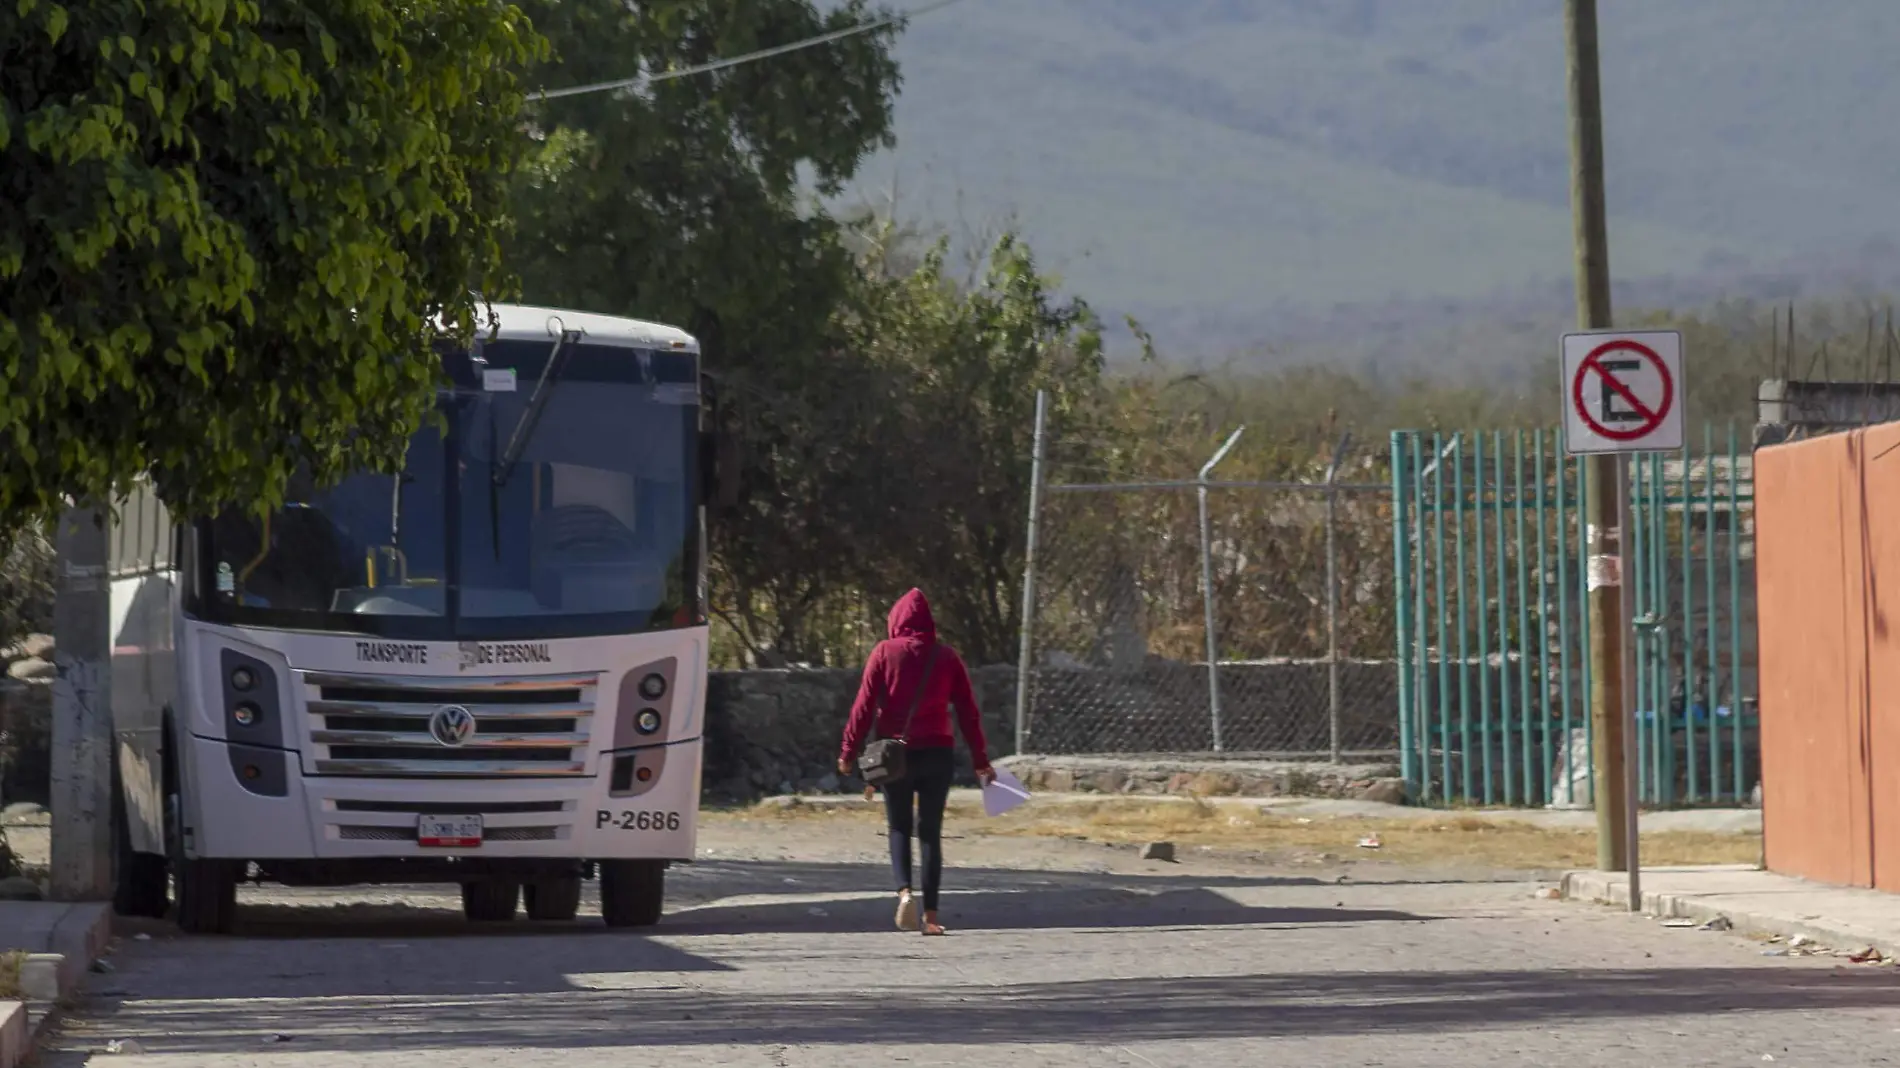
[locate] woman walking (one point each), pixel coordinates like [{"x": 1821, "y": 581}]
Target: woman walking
[{"x": 910, "y": 683}]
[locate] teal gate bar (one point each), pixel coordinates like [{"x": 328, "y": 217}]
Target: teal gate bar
[{"x": 1493, "y": 631}]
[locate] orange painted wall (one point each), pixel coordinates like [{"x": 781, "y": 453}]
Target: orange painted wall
[
  {"x": 1880, "y": 532},
  {"x": 1827, "y": 576}
]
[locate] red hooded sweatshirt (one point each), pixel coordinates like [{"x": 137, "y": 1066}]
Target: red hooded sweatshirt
[{"x": 891, "y": 677}]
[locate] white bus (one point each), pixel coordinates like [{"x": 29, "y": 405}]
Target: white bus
[{"x": 489, "y": 671}]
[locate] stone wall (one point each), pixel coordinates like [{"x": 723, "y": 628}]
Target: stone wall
[
  {"x": 777, "y": 731},
  {"x": 1209, "y": 777},
  {"x": 770, "y": 732},
  {"x": 26, "y": 720}
]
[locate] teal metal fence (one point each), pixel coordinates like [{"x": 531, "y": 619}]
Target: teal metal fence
[{"x": 1493, "y": 632}]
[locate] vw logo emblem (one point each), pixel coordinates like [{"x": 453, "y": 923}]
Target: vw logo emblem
[{"x": 452, "y": 725}]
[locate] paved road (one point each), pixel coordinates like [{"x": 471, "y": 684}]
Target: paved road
[{"x": 1063, "y": 954}]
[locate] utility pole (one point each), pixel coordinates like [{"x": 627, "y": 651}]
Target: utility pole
[
  {"x": 1025, "y": 662},
  {"x": 1602, "y": 473},
  {"x": 82, "y": 712}
]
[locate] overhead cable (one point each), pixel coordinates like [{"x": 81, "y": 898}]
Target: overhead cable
[{"x": 750, "y": 57}]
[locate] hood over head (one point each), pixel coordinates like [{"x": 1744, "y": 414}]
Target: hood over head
[{"x": 911, "y": 618}]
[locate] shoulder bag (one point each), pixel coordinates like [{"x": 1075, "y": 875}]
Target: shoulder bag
[{"x": 883, "y": 761}]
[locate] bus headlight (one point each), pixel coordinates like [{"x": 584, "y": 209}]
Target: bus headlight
[
  {"x": 653, "y": 687},
  {"x": 252, "y": 707},
  {"x": 647, "y": 722}
]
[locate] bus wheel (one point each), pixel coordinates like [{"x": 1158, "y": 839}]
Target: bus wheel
[
  {"x": 553, "y": 899},
  {"x": 205, "y": 889},
  {"x": 140, "y": 885},
  {"x": 207, "y": 896},
  {"x": 490, "y": 902},
  {"x": 632, "y": 891}
]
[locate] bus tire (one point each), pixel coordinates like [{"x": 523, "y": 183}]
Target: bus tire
[
  {"x": 140, "y": 881},
  {"x": 204, "y": 890},
  {"x": 207, "y": 895},
  {"x": 490, "y": 902},
  {"x": 553, "y": 899},
  {"x": 632, "y": 892},
  {"x": 142, "y": 886}
]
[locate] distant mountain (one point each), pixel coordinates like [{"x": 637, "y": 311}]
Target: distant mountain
[{"x": 1243, "y": 174}]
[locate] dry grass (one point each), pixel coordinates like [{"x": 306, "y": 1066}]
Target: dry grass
[
  {"x": 11, "y": 962},
  {"x": 1455, "y": 839}
]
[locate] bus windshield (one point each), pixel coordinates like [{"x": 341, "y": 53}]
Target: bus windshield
[{"x": 594, "y": 530}]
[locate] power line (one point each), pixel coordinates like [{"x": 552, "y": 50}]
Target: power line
[{"x": 749, "y": 57}]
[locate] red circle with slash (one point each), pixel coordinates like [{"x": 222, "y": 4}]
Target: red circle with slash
[{"x": 1651, "y": 417}]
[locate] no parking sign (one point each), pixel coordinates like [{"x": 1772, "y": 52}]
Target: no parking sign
[{"x": 1622, "y": 391}]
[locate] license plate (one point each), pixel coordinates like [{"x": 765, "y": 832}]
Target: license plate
[{"x": 449, "y": 832}]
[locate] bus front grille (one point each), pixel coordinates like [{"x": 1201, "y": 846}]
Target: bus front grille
[{"x": 380, "y": 726}]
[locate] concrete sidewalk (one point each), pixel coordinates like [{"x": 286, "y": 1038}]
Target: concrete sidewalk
[
  {"x": 1755, "y": 901},
  {"x": 1709, "y": 821},
  {"x": 59, "y": 942}
]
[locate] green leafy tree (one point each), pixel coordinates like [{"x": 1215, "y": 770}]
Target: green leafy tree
[
  {"x": 686, "y": 200},
  {"x": 689, "y": 201},
  {"x": 904, "y": 458},
  {"x": 227, "y": 229},
  {"x": 951, "y": 436}
]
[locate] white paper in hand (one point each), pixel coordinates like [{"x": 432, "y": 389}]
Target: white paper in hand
[{"x": 1005, "y": 793}]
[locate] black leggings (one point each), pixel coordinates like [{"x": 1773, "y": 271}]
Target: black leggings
[{"x": 927, "y": 780}]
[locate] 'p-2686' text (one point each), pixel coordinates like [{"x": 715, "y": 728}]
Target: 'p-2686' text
[{"x": 637, "y": 820}]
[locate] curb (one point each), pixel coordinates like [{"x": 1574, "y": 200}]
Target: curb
[
  {"x": 1316, "y": 807},
  {"x": 1606, "y": 888},
  {"x": 50, "y": 974}
]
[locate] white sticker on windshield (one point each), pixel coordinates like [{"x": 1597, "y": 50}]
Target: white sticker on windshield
[
  {"x": 227, "y": 582},
  {"x": 676, "y": 393},
  {"x": 498, "y": 379}
]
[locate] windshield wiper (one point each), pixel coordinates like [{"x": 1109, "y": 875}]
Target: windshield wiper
[{"x": 537, "y": 403}]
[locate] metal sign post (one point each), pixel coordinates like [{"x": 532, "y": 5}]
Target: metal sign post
[
  {"x": 1207, "y": 586},
  {"x": 1622, "y": 394},
  {"x": 1632, "y": 800}
]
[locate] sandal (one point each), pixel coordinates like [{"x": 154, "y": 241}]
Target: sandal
[
  {"x": 934, "y": 930},
  {"x": 906, "y": 911}
]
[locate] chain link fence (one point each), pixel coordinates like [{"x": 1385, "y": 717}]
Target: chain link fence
[{"x": 1120, "y": 626}]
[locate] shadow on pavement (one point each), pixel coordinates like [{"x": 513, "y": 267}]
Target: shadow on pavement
[
  {"x": 1016, "y": 901},
  {"x": 397, "y": 978},
  {"x": 1105, "y": 1011},
  {"x": 987, "y": 898}
]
